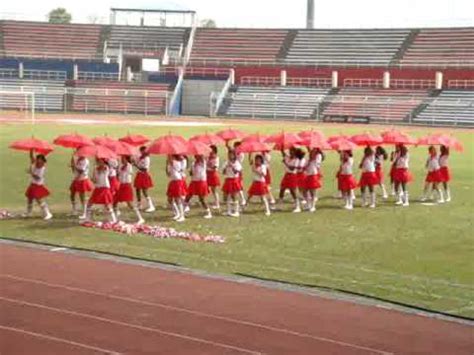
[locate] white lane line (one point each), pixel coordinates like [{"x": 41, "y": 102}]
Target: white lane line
[
  {"x": 129, "y": 325},
  {"x": 58, "y": 249},
  {"x": 59, "y": 340},
  {"x": 198, "y": 313}
]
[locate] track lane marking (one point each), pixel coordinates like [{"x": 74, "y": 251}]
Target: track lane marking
[
  {"x": 130, "y": 325},
  {"x": 199, "y": 313},
  {"x": 59, "y": 340}
]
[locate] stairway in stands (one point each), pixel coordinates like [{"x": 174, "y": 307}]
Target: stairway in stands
[
  {"x": 404, "y": 47},
  {"x": 433, "y": 94},
  {"x": 104, "y": 36},
  {"x": 286, "y": 45},
  {"x": 2, "y": 48},
  {"x": 318, "y": 110}
]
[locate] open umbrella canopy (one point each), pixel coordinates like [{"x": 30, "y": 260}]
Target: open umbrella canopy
[
  {"x": 284, "y": 140},
  {"x": 196, "y": 147},
  {"x": 98, "y": 151},
  {"x": 169, "y": 145},
  {"x": 312, "y": 133},
  {"x": 257, "y": 137},
  {"x": 396, "y": 137},
  {"x": 73, "y": 140},
  {"x": 314, "y": 141},
  {"x": 32, "y": 144},
  {"x": 342, "y": 144},
  {"x": 230, "y": 134},
  {"x": 209, "y": 139},
  {"x": 122, "y": 148},
  {"x": 367, "y": 139},
  {"x": 104, "y": 140},
  {"x": 135, "y": 140},
  {"x": 253, "y": 147},
  {"x": 337, "y": 137},
  {"x": 442, "y": 139}
]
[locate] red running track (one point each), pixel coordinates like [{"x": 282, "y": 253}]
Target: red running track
[{"x": 56, "y": 303}]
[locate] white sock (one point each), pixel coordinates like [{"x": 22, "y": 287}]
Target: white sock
[
  {"x": 372, "y": 198},
  {"x": 448, "y": 194},
  {"x": 29, "y": 209},
  {"x": 181, "y": 209},
  {"x": 242, "y": 197},
  {"x": 175, "y": 209},
  {"x": 44, "y": 207},
  {"x": 384, "y": 191},
  {"x": 236, "y": 207},
  {"x": 113, "y": 218},
  {"x": 267, "y": 205},
  {"x": 150, "y": 203},
  {"x": 138, "y": 214},
  {"x": 229, "y": 207}
]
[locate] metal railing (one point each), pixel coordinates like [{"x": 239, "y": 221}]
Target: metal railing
[
  {"x": 345, "y": 63},
  {"x": 85, "y": 75},
  {"x": 52, "y": 55},
  {"x": 260, "y": 80},
  {"x": 461, "y": 84},
  {"x": 36, "y": 74},
  {"x": 8, "y": 73},
  {"x": 363, "y": 83},
  {"x": 309, "y": 82},
  {"x": 412, "y": 84}
]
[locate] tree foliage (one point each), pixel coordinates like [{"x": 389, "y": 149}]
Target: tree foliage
[{"x": 59, "y": 15}]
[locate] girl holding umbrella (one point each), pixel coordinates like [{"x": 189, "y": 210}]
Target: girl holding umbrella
[{"x": 37, "y": 191}]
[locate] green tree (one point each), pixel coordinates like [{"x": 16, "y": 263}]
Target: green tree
[
  {"x": 59, "y": 15},
  {"x": 208, "y": 22}
]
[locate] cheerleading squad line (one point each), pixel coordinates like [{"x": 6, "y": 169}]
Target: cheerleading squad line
[{"x": 113, "y": 182}]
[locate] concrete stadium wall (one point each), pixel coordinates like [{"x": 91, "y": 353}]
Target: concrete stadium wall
[{"x": 196, "y": 95}]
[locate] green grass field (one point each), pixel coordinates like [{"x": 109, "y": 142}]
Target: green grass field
[{"x": 421, "y": 255}]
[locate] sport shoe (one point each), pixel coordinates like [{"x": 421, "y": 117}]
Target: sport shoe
[
  {"x": 372, "y": 206},
  {"x": 312, "y": 210},
  {"x": 140, "y": 222},
  {"x": 48, "y": 216},
  {"x": 297, "y": 210},
  {"x": 235, "y": 214},
  {"x": 186, "y": 209},
  {"x": 150, "y": 209},
  {"x": 180, "y": 219},
  {"x": 406, "y": 204},
  {"x": 208, "y": 216},
  {"x": 268, "y": 214}
]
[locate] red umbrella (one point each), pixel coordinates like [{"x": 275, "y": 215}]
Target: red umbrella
[
  {"x": 337, "y": 137},
  {"x": 231, "y": 134},
  {"x": 98, "y": 151},
  {"x": 314, "y": 141},
  {"x": 209, "y": 139},
  {"x": 104, "y": 140},
  {"x": 257, "y": 137},
  {"x": 73, "y": 140},
  {"x": 196, "y": 147},
  {"x": 32, "y": 144},
  {"x": 342, "y": 144},
  {"x": 284, "y": 140},
  {"x": 442, "y": 139},
  {"x": 397, "y": 137},
  {"x": 169, "y": 145},
  {"x": 252, "y": 147},
  {"x": 135, "y": 140},
  {"x": 367, "y": 139},
  {"x": 312, "y": 133},
  {"x": 122, "y": 148}
]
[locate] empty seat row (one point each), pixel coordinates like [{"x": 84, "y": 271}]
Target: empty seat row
[
  {"x": 446, "y": 47},
  {"x": 237, "y": 44},
  {"x": 37, "y": 39},
  {"x": 273, "y": 102},
  {"x": 374, "y": 104},
  {"x": 147, "y": 39},
  {"x": 48, "y": 95},
  {"x": 451, "y": 107},
  {"x": 366, "y": 47}
]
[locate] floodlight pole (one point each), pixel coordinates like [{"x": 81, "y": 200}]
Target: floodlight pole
[{"x": 310, "y": 15}]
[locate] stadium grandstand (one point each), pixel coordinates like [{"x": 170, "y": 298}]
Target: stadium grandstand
[{"x": 408, "y": 75}]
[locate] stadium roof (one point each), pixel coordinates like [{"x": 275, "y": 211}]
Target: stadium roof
[{"x": 153, "y": 10}]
